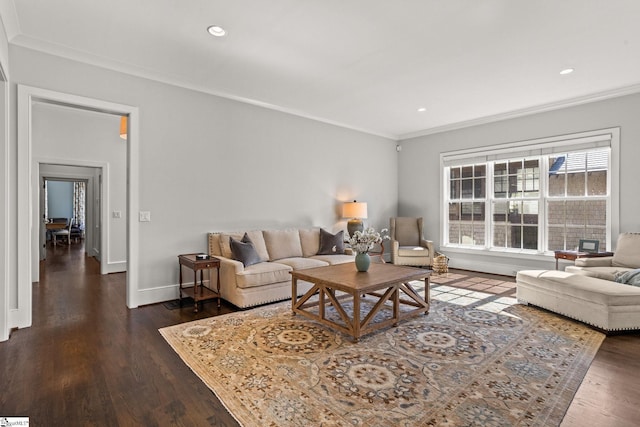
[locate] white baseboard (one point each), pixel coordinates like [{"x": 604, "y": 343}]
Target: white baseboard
[
  {"x": 116, "y": 267},
  {"x": 486, "y": 267},
  {"x": 161, "y": 293},
  {"x": 14, "y": 319}
]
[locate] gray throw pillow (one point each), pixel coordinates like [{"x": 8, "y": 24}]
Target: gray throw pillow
[
  {"x": 331, "y": 244},
  {"x": 244, "y": 251}
]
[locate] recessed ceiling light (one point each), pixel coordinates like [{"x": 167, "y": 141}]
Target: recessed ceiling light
[
  {"x": 422, "y": 110},
  {"x": 217, "y": 31},
  {"x": 567, "y": 71}
]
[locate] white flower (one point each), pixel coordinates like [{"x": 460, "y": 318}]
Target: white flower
[{"x": 362, "y": 241}]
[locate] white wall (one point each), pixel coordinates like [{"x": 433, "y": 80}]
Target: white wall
[
  {"x": 4, "y": 187},
  {"x": 66, "y": 135},
  {"x": 419, "y": 176},
  {"x": 208, "y": 163}
]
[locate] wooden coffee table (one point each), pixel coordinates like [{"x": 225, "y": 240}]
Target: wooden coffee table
[{"x": 384, "y": 281}]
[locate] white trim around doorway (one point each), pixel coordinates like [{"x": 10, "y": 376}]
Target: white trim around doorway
[{"x": 27, "y": 95}]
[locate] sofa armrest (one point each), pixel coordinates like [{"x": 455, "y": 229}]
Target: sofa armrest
[
  {"x": 395, "y": 245},
  {"x": 228, "y": 270},
  {"x": 604, "y": 261},
  {"x": 427, "y": 244}
]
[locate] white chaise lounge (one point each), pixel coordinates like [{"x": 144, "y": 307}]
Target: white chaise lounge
[{"x": 607, "y": 305}]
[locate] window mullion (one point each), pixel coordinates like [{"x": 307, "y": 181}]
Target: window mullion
[{"x": 488, "y": 207}]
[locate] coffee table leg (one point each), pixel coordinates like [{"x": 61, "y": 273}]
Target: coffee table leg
[
  {"x": 356, "y": 317},
  {"x": 396, "y": 305},
  {"x": 294, "y": 294}
]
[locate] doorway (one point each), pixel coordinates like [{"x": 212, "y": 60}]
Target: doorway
[
  {"x": 68, "y": 198},
  {"x": 28, "y": 181}
]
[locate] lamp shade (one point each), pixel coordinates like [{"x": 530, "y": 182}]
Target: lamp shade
[
  {"x": 354, "y": 210},
  {"x": 123, "y": 127}
]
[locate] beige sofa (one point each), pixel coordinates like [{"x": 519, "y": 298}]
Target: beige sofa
[
  {"x": 279, "y": 252},
  {"x": 625, "y": 258}
]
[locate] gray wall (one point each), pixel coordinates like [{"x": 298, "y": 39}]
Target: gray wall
[
  {"x": 209, "y": 163},
  {"x": 419, "y": 172}
]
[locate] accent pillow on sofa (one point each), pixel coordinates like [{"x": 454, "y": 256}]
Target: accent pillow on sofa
[
  {"x": 331, "y": 244},
  {"x": 256, "y": 238},
  {"x": 244, "y": 251},
  {"x": 631, "y": 277},
  {"x": 627, "y": 252}
]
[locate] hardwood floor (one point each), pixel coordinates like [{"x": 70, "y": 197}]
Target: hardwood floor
[{"x": 88, "y": 360}]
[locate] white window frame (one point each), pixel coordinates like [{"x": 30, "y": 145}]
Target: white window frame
[{"x": 542, "y": 147}]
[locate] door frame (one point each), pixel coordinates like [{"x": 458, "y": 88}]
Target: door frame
[
  {"x": 90, "y": 216},
  {"x": 27, "y": 244}
]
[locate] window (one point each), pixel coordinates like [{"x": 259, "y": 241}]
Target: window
[
  {"x": 467, "y": 186},
  {"x": 534, "y": 196},
  {"x": 577, "y": 202}
]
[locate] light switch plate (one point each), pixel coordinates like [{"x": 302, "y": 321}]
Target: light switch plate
[
  {"x": 145, "y": 216},
  {"x": 117, "y": 214}
]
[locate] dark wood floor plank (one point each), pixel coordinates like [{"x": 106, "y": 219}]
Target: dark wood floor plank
[{"x": 88, "y": 360}]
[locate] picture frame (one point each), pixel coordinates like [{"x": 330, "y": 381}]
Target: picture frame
[{"x": 589, "y": 246}]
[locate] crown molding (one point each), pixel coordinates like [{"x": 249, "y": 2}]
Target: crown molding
[
  {"x": 586, "y": 99},
  {"x": 66, "y": 52}
]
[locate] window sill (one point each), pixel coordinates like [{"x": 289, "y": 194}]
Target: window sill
[{"x": 503, "y": 253}]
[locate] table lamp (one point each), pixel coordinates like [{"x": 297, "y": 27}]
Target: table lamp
[{"x": 357, "y": 211}]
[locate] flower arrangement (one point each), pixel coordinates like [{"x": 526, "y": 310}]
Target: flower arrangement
[{"x": 362, "y": 241}]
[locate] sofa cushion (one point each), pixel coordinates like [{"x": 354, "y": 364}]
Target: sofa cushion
[
  {"x": 300, "y": 263},
  {"x": 244, "y": 251},
  {"x": 331, "y": 244},
  {"x": 310, "y": 241},
  {"x": 335, "y": 259},
  {"x": 627, "y": 252},
  {"x": 282, "y": 243},
  {"x": 413, "y": 251},
  {"x": 606, "y": 273},
  {"x": 407, "y": 232},
  {"x": 225, "y": 246},
  {"x": 263, "y": 273}
]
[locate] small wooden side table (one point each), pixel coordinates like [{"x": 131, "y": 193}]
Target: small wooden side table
[
  {"x": 573, "y": 255},
  {"x": 199, "y": 292}
]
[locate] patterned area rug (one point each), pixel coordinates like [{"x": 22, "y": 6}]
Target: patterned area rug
[{"x": 457, "y": 366}]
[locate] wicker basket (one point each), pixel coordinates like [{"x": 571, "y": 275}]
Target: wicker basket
[{"x": 440, "y": 264}]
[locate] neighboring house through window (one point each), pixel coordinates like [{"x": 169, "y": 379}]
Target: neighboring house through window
[{"x": 532, "y": 196}]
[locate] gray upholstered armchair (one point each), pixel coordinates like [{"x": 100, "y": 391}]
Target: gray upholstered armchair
[{"x": 408, "y": 246}]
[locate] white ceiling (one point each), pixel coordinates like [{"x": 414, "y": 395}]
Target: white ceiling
[{"x": 363, "y": 64}]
